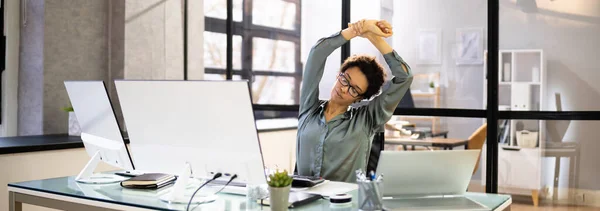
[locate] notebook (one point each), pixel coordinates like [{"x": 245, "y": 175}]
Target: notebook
[{"x": 149, "y": 181}]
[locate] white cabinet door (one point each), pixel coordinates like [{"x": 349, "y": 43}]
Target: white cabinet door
[{"x": 519, "y": 169}]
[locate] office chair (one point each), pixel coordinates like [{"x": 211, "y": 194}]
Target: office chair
[
  {"x": 376, "y": 148},
  {"x": 476, "y": 141}
]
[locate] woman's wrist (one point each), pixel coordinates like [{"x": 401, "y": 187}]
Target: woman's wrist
[{"x": 349, "y": 33}]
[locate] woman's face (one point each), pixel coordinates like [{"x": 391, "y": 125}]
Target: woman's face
[{"x": 349, "y": 86}]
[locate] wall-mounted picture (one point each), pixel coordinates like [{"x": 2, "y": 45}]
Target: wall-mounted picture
[
  {"x": 470, "y": 46},
  {"x": 429, "y": 43}
]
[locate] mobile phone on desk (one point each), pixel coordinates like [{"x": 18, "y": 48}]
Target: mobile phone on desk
[
  {"x": 296, "y": 199},
  {"x": 129, "y": 173}
]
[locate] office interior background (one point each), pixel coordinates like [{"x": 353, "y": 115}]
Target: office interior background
[{"x": 547, "y": 68}]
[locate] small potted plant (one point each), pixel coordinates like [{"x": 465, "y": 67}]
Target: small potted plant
[
  {"x": 432, "y": 87},
  {"x": 279, "y": 190},
  {"x": 74, "y": 129}
]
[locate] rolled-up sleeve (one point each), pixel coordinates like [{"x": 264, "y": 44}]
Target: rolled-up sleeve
[
  {"x": 315, "y": 65},
  {"x": 382, "y": 107}
]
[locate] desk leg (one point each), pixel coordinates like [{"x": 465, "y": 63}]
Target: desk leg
[
  {"x": 572, "y": 174},
  {"x": 12, "y": 203},
  {"x": 535, "y": 197},
  {"x": 404, "y": 147},
  {"x": 556, "y": 176}
]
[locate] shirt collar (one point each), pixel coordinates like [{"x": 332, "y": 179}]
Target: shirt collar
[{"x": 347, "y": 115}]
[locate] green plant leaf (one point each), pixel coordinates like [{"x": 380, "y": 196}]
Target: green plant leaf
[
  {"x": 280, "y": 179},
  {"x": 68, "y": 109}
]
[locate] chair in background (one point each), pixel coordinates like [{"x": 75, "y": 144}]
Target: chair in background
[{"x": 476, "y": 141}]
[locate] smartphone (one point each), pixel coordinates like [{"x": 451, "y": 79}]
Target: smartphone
[{"x": 130, "y": 173}]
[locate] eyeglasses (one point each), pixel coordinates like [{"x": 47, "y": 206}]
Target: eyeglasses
[{"x": 344, "y": 81}]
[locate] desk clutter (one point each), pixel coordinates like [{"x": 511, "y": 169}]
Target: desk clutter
[{"x": 156, "y": 181}]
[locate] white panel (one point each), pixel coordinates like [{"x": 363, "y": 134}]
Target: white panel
[
  {"x": 521, "y": 97},
  {"x": 209, "y": 124},
  {"x": 96, "y": 117},
  {"x": 519, "y": 169}
]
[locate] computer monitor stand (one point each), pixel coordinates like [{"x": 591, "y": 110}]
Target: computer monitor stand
[
  {"x": 178, "y": 191},
  {"x": 87, "y": 173}
]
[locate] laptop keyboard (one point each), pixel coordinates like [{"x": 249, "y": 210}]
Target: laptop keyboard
[{"x": 450, "y": 203}]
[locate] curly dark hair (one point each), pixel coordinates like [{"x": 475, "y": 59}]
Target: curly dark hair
[{"x": 369, "y": 66}]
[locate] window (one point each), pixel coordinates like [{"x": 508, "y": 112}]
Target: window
[
  {"x": 266, "y": 48},
  {"x": 218, "y": 9}
]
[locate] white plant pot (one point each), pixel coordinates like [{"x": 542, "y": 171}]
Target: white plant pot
[
  {"x": 279, "y": 198},
  {"x": 74, "y": 129}
]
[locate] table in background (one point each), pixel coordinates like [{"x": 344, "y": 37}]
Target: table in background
[
  {"x": 65, "y": 194},
  {"x": 444, "y": 143},
  {"x": 427, "y": 132}
]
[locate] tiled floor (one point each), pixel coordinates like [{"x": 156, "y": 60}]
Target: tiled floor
[{"x": 523, "y": 207}]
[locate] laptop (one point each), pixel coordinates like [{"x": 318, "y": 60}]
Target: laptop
[{"x": 428, "y": 180}]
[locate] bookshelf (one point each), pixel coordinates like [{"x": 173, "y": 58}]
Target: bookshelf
[{"x": 521, "y": 87}]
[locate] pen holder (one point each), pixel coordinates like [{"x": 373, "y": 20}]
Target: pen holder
[{"x": 370, "y": 195}]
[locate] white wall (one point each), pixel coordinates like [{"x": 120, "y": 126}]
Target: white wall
[{"x": 321, "y": 19}]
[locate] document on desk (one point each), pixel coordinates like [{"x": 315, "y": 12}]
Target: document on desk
[{"x": 329, "y": 188}]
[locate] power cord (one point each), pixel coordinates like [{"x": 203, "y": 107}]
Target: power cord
[
  {"x": 231, "y": 179},
  {"x": 217, "y": 175}
]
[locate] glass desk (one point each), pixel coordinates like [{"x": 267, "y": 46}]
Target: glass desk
[{"x": 65, "y": 194}]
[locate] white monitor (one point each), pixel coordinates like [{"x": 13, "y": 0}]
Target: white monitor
[
  {"x": 426, "y": 173},
  {"x": 100, "y": 131},
  {"x": 208, "y": 124}
]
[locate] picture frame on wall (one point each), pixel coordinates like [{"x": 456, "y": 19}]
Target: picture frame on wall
[
  {"x": 429, "y": 46},
  {"x": 470, "y": 46}
]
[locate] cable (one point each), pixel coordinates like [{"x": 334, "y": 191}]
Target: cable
[
  {"x": 231, "y": 179},
  {"x": 217, "y": 175}
]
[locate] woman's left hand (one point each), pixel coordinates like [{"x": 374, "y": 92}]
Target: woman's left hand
[{"x": 364, "y": 28}]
